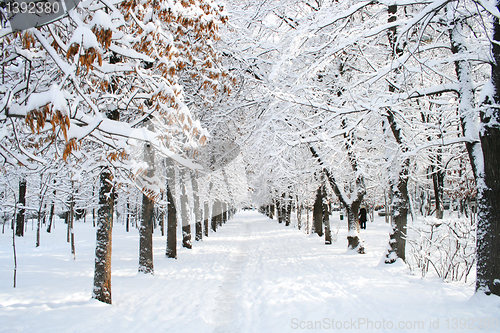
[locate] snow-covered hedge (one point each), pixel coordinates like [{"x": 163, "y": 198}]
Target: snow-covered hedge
[{"x": 444, "y": 247}]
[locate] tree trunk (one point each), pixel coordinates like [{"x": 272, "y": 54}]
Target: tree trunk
[
  {"x": 21, "y": 212},
  {"x": 488, "y": 230},
  {"x": 468, "y": 119},
  {"x": 102, "y": 271},
  {"x": 198, "y": 213},
  {"x": 148, "y": 206},
  {"x": 399, "y": 204},
  {"x": 185, "y": 214},
  {"x": 162, "y": 216},
  {"x": 207, "y": 217},
  {"x": 127, "y": 224},
  {"x": 224, "y": 212},
  {"x": 171, "y": 251},
  {"x": 279, "y": 211},
  {"x": 438, "y": 184},
  {"x": 326, "y": 218},
  {"x": 288, "y": 212},
  {"x": 71, "y": 220},
  {"x": 219, "y": 215},
  {"x": 307, "y": 219},
  {"x": 93, "y": 208},
  {"x": 397, "y": 242},
  {"x": 283, "y": 208},
  {"x": 353, "y": 241},
  {"x": 146, "y": 236},
  {"x": 214, "y": 215},
  {"x": 299, "y": 216},
  {"x": 38, "y": 227},
  {"x": 51, "y": 215},
  {"x": 271, "y": 211},
  {"x": 318, "y": 213}
]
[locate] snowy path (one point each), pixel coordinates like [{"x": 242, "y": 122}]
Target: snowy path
[
  {"x": 228, "y": 316},
  {"x": 253, "y": 275}
]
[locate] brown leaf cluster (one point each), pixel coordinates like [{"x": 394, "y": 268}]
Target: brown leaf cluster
[
  {"x": 87, "y": 58},
  {"x": 27, "y": 40},
  {"x": 70, "y": 145},
  {"x": 37, "y": 118},
  {"x": 117, "y": 155},
  {"x": 103, "y": 36}
]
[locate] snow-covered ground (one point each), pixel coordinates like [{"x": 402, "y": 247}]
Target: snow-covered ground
[{"x": 253, "y": 275}]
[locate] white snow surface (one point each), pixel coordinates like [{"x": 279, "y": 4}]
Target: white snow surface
[{"x": 252, "y": 275}]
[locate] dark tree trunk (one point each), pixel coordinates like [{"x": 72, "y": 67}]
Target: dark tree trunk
[
  {"x": 438, "y": 184},
  {"x": 186, "y": 223},
  {"x": 198, "y": 231},
  {"x": 220, "y": 213},
  {"x": 400, "y": 202},
  {"x": 307, "y": 219},
  {"x": 353, "y": 241},
  {"x": 318, "y": 213},
  {"x": 198, "y": 212},
  {"x": 51, "y": 213},
  {"x": 283, "y": 208},
  {"x": 397, "y": 242},
  {"x": 488, "y": 233},
  {"x": 399, "y": 209},
  {"x": 102, "y": 272},
  {"x": 93, "y": 208},
  {"x": 279, "y": 211},
  {"x": 271, "y": 211},
  {"x": 127, "y": 224},
  {"x": 146, "y": 236},
  {"x": 71, "y": 221},
  {"x": 326, "y": 218},
  {"x": 207, "y": 217},
  {"x": 171, "y": 251},
  {"x": 299, "y": 216},
  {"x": 21, "y": 212},
  {"x": 288, "y": 212},
  {"x": 162, "y": 216},
  {"x": 38, "y": 226},
  {"x": 148, "y": 215},
  {"x": 224, "y": 212},
  {"x": 171, "y": 225},
  {"x": 214, "y": 215}
]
